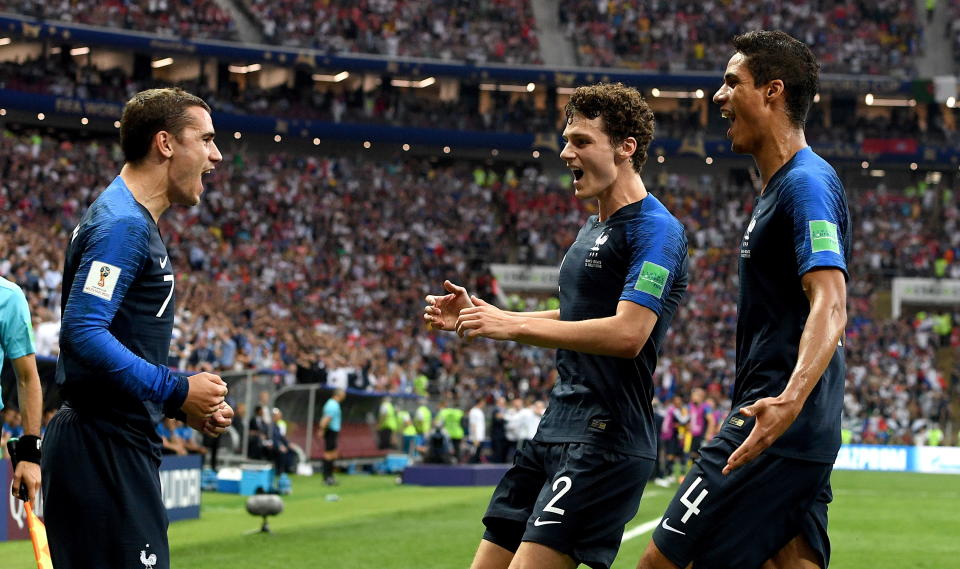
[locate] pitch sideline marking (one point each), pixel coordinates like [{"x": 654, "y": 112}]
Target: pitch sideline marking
[{"x": 641, "y": 529}]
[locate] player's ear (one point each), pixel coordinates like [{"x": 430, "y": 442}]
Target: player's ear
[
  {"x": 627, "y": 148},
  {"x": 163, "y": 141},
  {"x": 775, "y": 89}
]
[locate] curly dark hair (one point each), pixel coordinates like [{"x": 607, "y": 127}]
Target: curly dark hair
[
  {"x": 624, "y": 112},
  {"x": 775, "y": 55}
]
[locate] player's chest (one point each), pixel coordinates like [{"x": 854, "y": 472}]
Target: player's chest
[{"x": 766, "y": 234}]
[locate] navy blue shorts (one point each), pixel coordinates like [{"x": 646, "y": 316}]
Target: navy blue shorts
[
  {"x": 102, "y": 500},
  {"x": 742, "y": 520},
  {"x": 574, "y": 498}
]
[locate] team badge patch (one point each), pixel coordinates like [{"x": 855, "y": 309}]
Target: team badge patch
[
  {"x": 652, "y": 280},
  {"x": 101, "y": 280},
  {"x": 823, "y": 237}
]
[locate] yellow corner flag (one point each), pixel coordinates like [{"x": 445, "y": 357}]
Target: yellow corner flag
[{"x": 38, "y": 535}]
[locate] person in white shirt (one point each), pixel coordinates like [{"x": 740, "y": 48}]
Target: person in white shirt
[{"x": 478, "y": 429}]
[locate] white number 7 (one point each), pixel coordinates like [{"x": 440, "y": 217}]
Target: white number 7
[{"x": 167, "y": 278}]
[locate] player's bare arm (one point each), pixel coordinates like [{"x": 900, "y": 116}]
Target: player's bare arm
[
  {"x": 31, "y": 402},
  {"x": 827, "y": 292},
  {"x": 622, "y": 335}
]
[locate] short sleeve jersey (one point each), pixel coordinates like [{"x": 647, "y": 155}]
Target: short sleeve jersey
[
  {"x": 118, "y": 308},
  {"x": 332, "y": 409},
  {"x": 16, "y": 329},
  {"x": 638, "y": 254},
  {"x": 800, "y": 223}
]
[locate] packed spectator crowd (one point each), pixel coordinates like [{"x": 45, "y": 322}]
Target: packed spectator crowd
[
  {"x": 478, "y": 31},
  {"x": 863, "y": 36},
  {"x": 196, "y": 19},
  {"x": 307, "y": 264}
]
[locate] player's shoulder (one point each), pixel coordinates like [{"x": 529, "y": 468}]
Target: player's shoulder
[
  {"x": 657, "y": 220},
  {"x": 808, "y": 171}
]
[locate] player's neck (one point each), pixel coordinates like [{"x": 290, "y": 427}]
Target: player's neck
[
  {"x": 149, "y": 189},
  {"x": 780, "y": 146},
  {"x": 627, "y": 189}
]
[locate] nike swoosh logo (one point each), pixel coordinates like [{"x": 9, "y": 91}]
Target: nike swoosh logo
[
  {"x": 667, "y": 527},
  {"x": 538, "y": 523},
  {"x": 163, "y": 262}
]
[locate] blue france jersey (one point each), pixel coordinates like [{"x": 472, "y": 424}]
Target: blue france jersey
[
  {"x": 16, "y": 329},
  {"x": 118, "y": 307},
  {"x": 800, "y": 223},
  {"x": 638, "y": 254}
]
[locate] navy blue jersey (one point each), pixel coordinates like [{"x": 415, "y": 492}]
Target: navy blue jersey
[
  {"x": 638, "y": 254},
  {"x": 800, "y": 223},
  {"x": 118, "y": 306}
]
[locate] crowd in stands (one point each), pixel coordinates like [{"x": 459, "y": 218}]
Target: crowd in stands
[
  {"x": 312, "y": 264},
  {"x": 195, "y": 19},
  {"x": 478, "y": 31},
  {"x": 862, "y": 36}
]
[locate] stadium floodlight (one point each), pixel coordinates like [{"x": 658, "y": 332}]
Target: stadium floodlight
[
  {"x": 709, "y": 160},
  {"x": 244, "y": 69},
  {"x": 158, "y": 63},
  {"x": 503, "y": 88},
  {"x": 84, "y": 121},
  {"x": 531, "y": 87},
  {"x": 951, "y": 102},
  {"x": 5, "y": 41},
  {"x": 41, "y": 116},
  {"x": 342, "y": 76},
  {"x": 816, "y": 98},
  {"x": 536, "y": 154},
  {"x": 446, "y": 150},
  {"x": 80, "y": 51},
  {"x": 873, "y": 101},
  {"x": 406, "y": 147},
  {"x": 913, "y": 165},
  {"x": 264, "y": 505},
  {"x": 413, "y": 84},
  {"x": 367, "y": 144},
  {"x": 316, "y": 142},
  {"x": 3, "y": 112},
  {"x": 698, "y": 94}
]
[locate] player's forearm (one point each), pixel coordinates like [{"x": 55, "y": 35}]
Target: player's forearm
[
  {"x": 599, "y": 336},
  {"x": 818, "y": 343},
  {"x": 29, "y": 393},
  {"x": 546, "y": 314},
  {"x": 94, "y": 345}
]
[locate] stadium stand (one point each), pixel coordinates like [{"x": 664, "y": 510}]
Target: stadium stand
[
  {"x": 863, "y": 37},
  {"x": 479, "y": 31},
  {"x": 184, "y": 18}
]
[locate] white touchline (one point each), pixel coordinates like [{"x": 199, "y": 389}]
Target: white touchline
[{"x": 645, "y": 527}]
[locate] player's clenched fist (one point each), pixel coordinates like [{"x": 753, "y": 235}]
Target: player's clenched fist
[
  {"x": 207, "y": 392},
  {"x": 215, "y": 424}
]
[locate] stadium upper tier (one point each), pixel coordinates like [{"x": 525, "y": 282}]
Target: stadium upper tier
[
  {"x": 860, "y": 37},
  {"x": 170, "y": 18},
  {"x": 323, "y": 262}
]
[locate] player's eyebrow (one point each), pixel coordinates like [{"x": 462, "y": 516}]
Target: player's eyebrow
[{"x": 729, "y": 77}]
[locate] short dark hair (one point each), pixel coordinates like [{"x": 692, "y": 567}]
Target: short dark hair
[
  {"x": 775, "y": 55},
  {"x": 148, "y": 112},
  {"x": 624, "y": 112}
]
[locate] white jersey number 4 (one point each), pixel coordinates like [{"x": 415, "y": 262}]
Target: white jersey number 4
[{"x": 692, "y": 507}]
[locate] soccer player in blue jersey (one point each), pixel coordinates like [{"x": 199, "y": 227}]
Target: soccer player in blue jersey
[
  {"x": 574, "y": 487},
  {"x": 758, "y": 495},
  {"x": 16, "y": 343},
  {"x": 101, "y": 459}
]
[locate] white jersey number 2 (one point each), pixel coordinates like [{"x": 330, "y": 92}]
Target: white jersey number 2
[{"x": 567, "y": 484}]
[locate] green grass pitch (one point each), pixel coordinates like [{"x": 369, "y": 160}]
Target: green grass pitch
[{"x": 877, "y": 521}]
